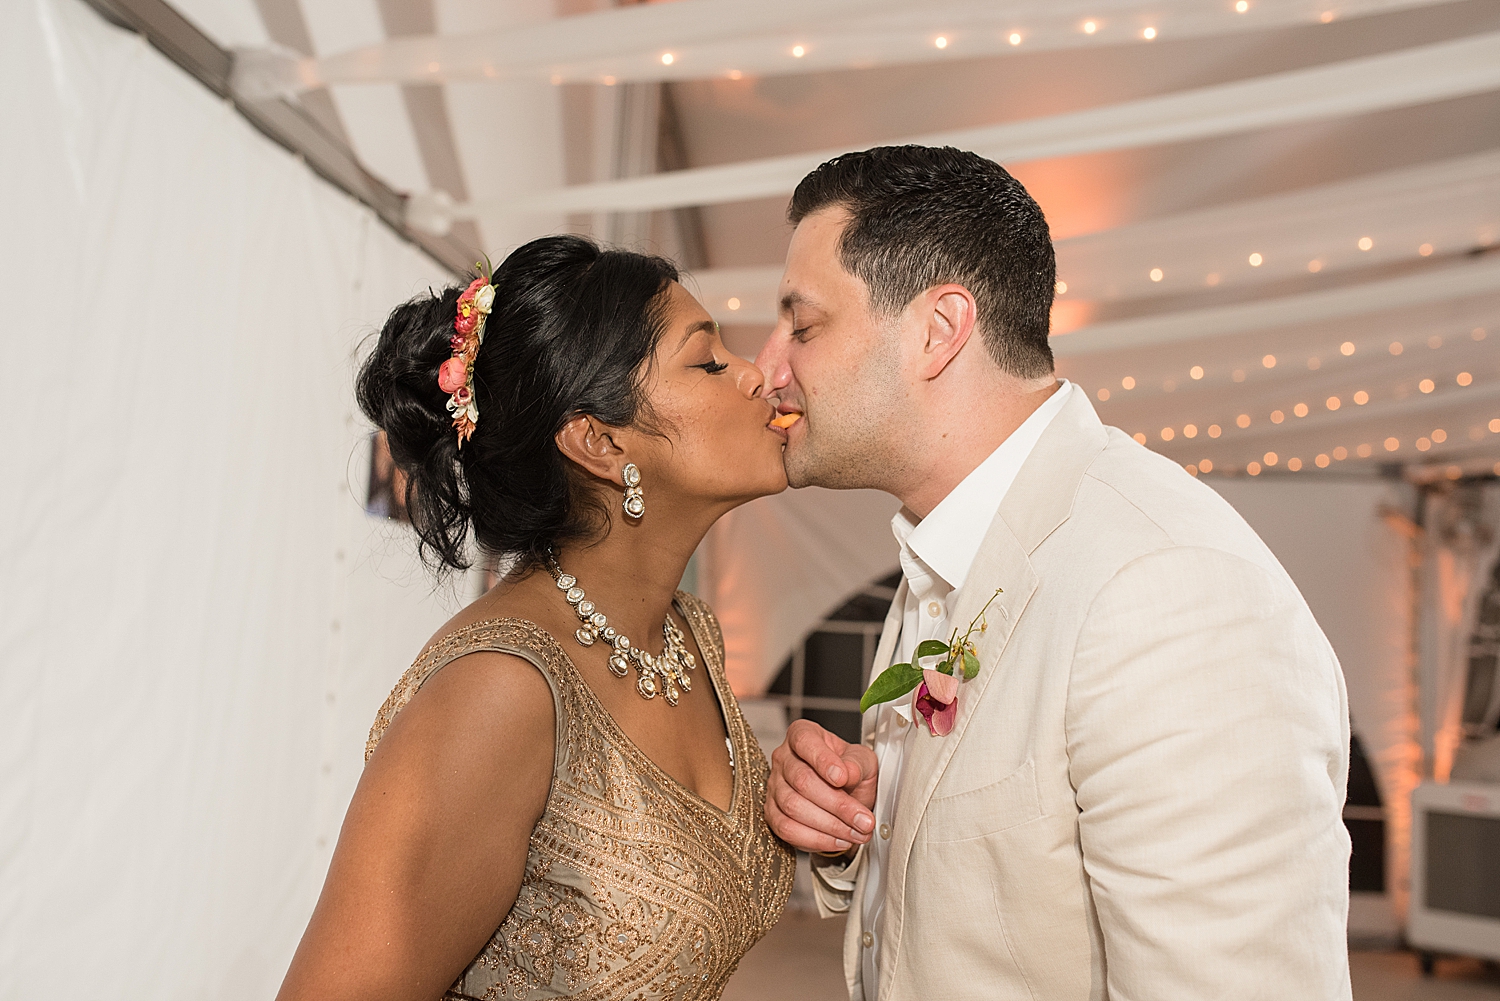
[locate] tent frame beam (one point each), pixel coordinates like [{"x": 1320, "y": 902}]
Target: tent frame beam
[{"x": 281, "y": 121}]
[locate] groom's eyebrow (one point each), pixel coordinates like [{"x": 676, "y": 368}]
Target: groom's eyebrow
[{"x": 793, "y": 299}]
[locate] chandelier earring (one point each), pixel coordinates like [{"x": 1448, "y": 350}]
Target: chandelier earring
[{"x": 635, "y": 499}]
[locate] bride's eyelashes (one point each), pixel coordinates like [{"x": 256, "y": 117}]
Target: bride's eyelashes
[{"x": 712, "y": 367}]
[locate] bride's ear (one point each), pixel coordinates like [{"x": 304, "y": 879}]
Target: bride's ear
[{"x": 589, "y": 443}]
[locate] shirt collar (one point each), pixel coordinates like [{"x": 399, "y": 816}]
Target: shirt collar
[{"x": 947, "y": 540}]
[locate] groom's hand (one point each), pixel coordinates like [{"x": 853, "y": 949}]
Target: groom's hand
[{"x": 821, "y": 791}]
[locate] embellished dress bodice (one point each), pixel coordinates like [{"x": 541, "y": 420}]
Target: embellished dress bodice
[{"x": 635, "y": 888}]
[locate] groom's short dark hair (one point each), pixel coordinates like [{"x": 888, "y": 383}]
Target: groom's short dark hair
[{"x": 924, "y": 216}]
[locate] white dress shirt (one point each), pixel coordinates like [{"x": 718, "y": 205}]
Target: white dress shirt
[{"x": 936, "y": 554}]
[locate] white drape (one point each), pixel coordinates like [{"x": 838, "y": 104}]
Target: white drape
[
  {"x": 1355, "y": 86},
  {"x": 199, "y": 618}
]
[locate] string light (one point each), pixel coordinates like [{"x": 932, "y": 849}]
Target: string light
[
  {"x": 735, "y": 74},
  {"x": 1140, "y": 437},
  {"x": 1464, "y": 379},
  {"x": 1256, "y": 260},
  {"x": 1425, "y": 250},
  {"x": 1190, "y": 431},
  {"x": 1346, "y": 349},
  {"x": 1423, "y": 444},
  {"x": 1238, "y": 375},
  {"x": 1426, "y": 385},
  {"x": 1340, "y": 454},
  {"x": 940, "y": 41},
  {"x": 1277, "y": 417},
  {"x": 1207, "y": 465},
  {"x": 1396, "y": 348},
  {"x": 1434, "y": 342},
  {"x": 1315, "y": 266},
  {"x": 1391, "y": 444},
  {"x": 1242, "y": 6},
  {"x": 1439, "y": 436},
  {"x": 1149, "y": 34},
  {"x": 1294, "y": 464},
  {"x": 609, "y": 81},
  {"x": 667, "y": 58},
  {"x": 1300, "y": 410},
  {"x": 1015, "y": 38},
  {"x": 1253, "y": 469},
  {"x": 1089, "y": 27},
  {"x": 733, "y": 303},
  {"x": 1103, "y": 395},
  {"x": 1242, "y": 421},
  {"x": 1321, "y": 461},
  {"x": 1333, "y": 403},
  {"x": 1212, "y": 279},
  {"x": 1495, "y": 425},
  {"x": 1214, "y": 430},
  {"x": 1167, "y": 434},
  {"x": 1061, "y": 288},
  {"x": 1327, "y": 17},
  {"x": 1269, "y": 361},
  {"x": 1477, "y": 334},
  {"x": 1313, "y": 364},
  {"x": 798, "y": 51},
  {"x": 1157, "y": 275},
  {"x": 1364, "y": 451},
  {"x": 1365, "y": 243},
  {"x": 1196, "y": 372},
  {"x": 1127, "y": 383},
  {"x": 1361, "y": 398}
]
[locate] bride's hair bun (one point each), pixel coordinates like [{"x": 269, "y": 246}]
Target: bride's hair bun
[{"x": 570, "y": 332}]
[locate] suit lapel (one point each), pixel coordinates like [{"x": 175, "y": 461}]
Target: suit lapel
[{"x": 1040, "y": 499}]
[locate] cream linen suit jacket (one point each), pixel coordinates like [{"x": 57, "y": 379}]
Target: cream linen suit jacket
[{"x": 1141, "y": 798}]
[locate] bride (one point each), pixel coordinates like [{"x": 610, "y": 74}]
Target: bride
[{"x": 560, "y": 798}]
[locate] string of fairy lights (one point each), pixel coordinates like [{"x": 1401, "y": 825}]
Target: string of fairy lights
[{"x": 1389, "y": 445}]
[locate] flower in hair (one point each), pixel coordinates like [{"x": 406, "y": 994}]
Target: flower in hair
[{"x": 456, "y": 375}]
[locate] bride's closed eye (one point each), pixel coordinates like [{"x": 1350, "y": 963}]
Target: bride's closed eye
[{"x": 712, "y": 367}]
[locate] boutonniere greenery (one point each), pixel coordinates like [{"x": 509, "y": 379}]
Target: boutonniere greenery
[{"x": 936, "y": 698}]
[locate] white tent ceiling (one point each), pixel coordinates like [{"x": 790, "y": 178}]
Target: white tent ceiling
[{"x": 1226, "y": 181}]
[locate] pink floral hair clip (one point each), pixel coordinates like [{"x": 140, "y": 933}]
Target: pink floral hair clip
[{"x": 456, "y": 376}]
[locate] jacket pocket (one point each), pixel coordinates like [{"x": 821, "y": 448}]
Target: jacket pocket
[{"x": 1001, "y": 805}]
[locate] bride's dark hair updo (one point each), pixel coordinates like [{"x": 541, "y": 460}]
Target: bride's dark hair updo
[{"x": 571, "y": 331}]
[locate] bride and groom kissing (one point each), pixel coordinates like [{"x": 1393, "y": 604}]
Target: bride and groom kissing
[{"x": 1106, "y": 744}]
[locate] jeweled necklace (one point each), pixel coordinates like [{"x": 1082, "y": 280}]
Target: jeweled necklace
[{"x": 662, "y": 675}]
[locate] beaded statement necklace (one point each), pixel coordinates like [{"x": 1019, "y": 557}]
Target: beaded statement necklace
[{"x": 666, "y": 675}]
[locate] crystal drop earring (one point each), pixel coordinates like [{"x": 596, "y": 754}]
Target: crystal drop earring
[{"x": 635, "y": 499}]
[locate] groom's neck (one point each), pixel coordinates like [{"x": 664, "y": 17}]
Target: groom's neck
[{"x": 960, "y": 427}]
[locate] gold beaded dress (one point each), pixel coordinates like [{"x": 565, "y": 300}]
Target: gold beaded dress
[{"x": 636, "y": 888}]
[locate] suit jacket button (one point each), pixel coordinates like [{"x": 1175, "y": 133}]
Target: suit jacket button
[{"x": 868, "y": 939}]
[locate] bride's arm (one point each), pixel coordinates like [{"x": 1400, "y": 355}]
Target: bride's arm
[{"x": 433, "y": 848}]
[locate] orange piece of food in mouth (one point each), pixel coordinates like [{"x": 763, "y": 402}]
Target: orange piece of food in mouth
[{"x": 786, "y": 420}]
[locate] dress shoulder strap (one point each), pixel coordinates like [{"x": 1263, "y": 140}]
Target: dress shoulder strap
[{"x": 518, "y": 637}]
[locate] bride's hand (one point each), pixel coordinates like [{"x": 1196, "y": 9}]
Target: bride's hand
[{"x": 821, "y": 791}]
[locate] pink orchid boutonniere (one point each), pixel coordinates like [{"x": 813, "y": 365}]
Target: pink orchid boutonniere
[{"x": 936, "y": 688}]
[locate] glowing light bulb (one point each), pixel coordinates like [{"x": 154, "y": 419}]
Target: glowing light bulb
[
  {"x": 1396, "y": 348},
  {"x": 1425, "y": 250},
  {"x": 1426, "y": 385},
  {"x": 1089, "y": 27},
  {"x": 1190, "y": 431},
  {"x": 1157, "y": 275},
  {"x": 1464, "y": 378},
  {"x": 1127, "y": 383},
  {"x": 1365, "y": 243},
  {"x": 1340, "y": 454},
  {"x": 1243, "y": 420},
  {"x": 1196, "y": 372},
  {"x": 940, "y": 41},
  {"x": 1167, "y": 434},
  {"x": 1326, "y": 17},
  {"x": 1277, "y": 417},
  {"x": 1391, "y": 444},
  {"x": 1322, "y": 461},
  {"x": 1270, "y": 458},
  {"x": 1256, "y": 260},
  {"x": 1300, "y": 410},
  {"x": 1103, "y": 395},
  {"x": 1439, "y": 436},
  {"x": 1242, "y": 6},
  {"x": 1361, "y": 398},
  {"x": 1294, "y": 464},
  {"x": 1015, "y": 38},
  {"x": 1140, "y": 437},
  {"x": 1214, "y": 430},
  {"x": 1207, "y": 465},
  {"x": 1333, "y": 403},
  {"x": 1315, "y": 266},
  {"x": 1364, "y": 451},
  {"x": 609, "y": 81},
  {"x": 1061, "y": 287},
  {"x": 1253, "y": 469},
  {"x": 798, "y": 51},
  {"x": 1346, "y": 349},
  {"x": 667, "y": 58},
  {"x": 735, "y": 75},
  {"x": 1149, "y": 34},
  {"x": 1269, "y": 361},
  {"x": 733, "y": 303}
]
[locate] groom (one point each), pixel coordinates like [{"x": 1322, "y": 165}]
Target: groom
[{"x": 1140, "y": 795}]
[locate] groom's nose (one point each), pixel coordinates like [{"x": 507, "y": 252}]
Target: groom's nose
[{"x": 772, "y": 360}]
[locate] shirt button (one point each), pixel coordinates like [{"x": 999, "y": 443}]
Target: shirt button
[
  {"x": 885, "y": 832},
  {"x": 934, "y": 609},
  {"x": 868, "y": 939},
  {"x": 900, "y": 720}
]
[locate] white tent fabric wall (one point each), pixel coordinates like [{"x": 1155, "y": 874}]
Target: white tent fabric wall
[
  {"x": 1353, "y": 567},
  {"x": 201, "y": 620}
]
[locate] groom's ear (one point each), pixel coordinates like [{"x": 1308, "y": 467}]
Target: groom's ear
[
  {"x": 948, "y": 314},
  {"x": 590, "y": 444}
]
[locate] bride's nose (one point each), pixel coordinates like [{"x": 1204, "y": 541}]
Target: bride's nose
[{"x": 749, "y": 379}]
